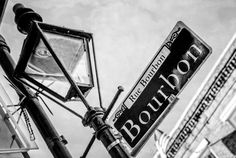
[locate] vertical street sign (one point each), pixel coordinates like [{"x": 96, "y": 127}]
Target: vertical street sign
[{"x": 151, "y": 98}]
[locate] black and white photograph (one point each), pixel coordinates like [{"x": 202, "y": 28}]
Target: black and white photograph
[{"x": 117, "y": 79}]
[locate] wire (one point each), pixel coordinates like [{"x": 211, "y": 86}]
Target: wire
[
  {"x": 88, "y": 147},
  {"x": 63, "y": 106},
  {"x": 45, "y": 104}
]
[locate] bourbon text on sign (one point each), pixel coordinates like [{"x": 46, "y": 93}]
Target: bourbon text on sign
[
  {"x": 171, "y": 81},
  {"x": 151, "y": 98}
]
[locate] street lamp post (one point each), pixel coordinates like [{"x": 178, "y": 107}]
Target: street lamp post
[
  {"x": 46, "y": 58},
  {"x": 31, "y": 103}
]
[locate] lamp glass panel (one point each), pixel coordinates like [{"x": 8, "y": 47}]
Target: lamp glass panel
[
  {"x": 73, "y": 55},
  {"x": 43, "y": 68}
]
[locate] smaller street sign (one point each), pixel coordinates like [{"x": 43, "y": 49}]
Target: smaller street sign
[{"x": 156, "y": 91}]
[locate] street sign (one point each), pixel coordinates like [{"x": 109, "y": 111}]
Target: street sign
[{"x": 151, "y": 98}]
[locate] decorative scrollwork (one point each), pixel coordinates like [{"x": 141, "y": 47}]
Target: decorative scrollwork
[
  {"x": 119, "y": 112},
  {"x": 172, "y": 38}
]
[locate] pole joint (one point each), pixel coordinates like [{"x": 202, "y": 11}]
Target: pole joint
[
  {"x": 93, "y": 119},
  {"x": 24, "y": 17}
]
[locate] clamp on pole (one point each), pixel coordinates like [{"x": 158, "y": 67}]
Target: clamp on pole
[{"x": 113, "y": 144}]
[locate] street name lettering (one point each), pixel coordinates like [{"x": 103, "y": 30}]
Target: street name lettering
[
  {"x": 172, "y": 81},
  {"x": 146, "y": 78},
  {"x": 156, "y": 91},
  {"x": 206, "y": 101}
]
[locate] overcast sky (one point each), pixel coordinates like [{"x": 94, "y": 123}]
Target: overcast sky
[{"x": 127, "y": 34}]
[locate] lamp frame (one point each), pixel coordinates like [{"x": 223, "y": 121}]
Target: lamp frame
[{"x": 35, "y": 34}]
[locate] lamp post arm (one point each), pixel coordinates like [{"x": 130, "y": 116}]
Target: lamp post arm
[{"x": 31, "y": 103}]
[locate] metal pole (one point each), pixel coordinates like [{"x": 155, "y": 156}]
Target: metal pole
[
  {"x": 94, "y": 119},
  {"x": 120, "y": 89},
  {"x": 31, "y": 103}
]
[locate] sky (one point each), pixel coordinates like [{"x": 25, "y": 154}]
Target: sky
[{"x": 127, "y": 34}]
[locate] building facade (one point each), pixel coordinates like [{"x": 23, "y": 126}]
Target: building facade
[{"x": 208, "y": 127}]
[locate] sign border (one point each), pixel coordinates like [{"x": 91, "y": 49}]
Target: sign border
[{"x": 168, "y": 42}]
